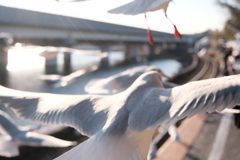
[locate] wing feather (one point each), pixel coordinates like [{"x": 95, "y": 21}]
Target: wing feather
[
  {"x": 218, "y": 92},
  {"x": 140, "y": 6},
  {"x": 209, "y": 103},
  {"x": 83, "y": 112},
  {"x": 36, "y": 140},
  {"x": 187, "y": 100},
  {"x": 8, "y": 148},
  {"x": 227, "y": 100}
]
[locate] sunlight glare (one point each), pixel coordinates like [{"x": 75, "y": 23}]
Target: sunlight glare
[{"x": 24, "y": 59}]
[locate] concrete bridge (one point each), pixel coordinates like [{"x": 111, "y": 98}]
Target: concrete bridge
[{"x": 55, "y": 30}]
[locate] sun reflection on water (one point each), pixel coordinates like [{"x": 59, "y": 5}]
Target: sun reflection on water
[{"x": 24, "y": 59}]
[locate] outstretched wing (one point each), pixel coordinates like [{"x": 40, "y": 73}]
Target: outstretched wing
[
  {"x": 118, "y": 82},
  {"x": 8, "y": 148},
  {"x": 141, "y": 6},
  {"x": 40, "y": 140},
  {"x": 7, "y": 125},
  {"x": 187, "y": 100},
  {"x": 86, "y": 113}
]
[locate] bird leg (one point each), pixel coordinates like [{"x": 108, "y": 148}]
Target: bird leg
[
  {"x": 176, "y": 32},
  {"x": 150, "y": 37}
]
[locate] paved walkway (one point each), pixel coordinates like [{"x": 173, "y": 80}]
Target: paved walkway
[{"x": 199, "y": 136}]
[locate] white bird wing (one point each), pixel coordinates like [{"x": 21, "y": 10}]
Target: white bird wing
[
  {"x": 7, "y": 125},
  {"x": 8, "y": 148},
  {"x": 118, "y": 82},
  {"x": 185, "y": 101},
  {"x": 86, "y": 113},
  {"x": 40, "y": 140},
  {"x": 141, "y": 6},
  {"x": 69, "y": 79}
]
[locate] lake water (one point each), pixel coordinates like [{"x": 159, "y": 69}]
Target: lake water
[{"x": 25, "y": 66}]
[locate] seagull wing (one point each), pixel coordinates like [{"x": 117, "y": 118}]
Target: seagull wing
[
  {"x": 40, "y": 140},
  {"x": 86, "y": 113},
  {"x": 125, "y": 9},
  {"x": 185, "y": 101},
  {"x": 7, "y": 125},
  {"x": 69, "y": 79},
  {"x": 140, "y": 6},
  {"x": 157, "y": 5},
  {"x": 118, "y": 82},
  {"x": 8, "y": 148}
]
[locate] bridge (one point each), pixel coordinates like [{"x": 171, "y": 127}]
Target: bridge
[
  {"x": 25, "y": 24},
  {"x": 55, "y": 30}
]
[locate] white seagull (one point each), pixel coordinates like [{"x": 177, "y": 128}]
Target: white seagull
[
  {"x": 12, "y": 136},
  {"x": 119, "y": 82},
  {"x": 143, "y": 6},
  {"x": 121, "y": 126},
  {"x": 63, "y": 81}
]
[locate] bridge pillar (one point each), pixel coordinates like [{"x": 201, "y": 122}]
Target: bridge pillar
[
  {"x": 3, "y": 60},
  {"x": 67, "y": 62},
  {"x": 51, "y": 66},
  {"x": 104, "y": 48},
  {"x": 152, "y": 54},
  {"x": 104, "y": 62},
  {"x": 131, "y": 52}
]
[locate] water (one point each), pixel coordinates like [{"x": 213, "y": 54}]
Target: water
[{"x": 25, "y": 67}]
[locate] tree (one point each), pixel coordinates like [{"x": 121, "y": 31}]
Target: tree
[{"x": 233, "y": 24}]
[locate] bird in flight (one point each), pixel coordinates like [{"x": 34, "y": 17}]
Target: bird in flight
[
  {"x": 121, "y": 126},
  {"x": 119, "y": 82},
  {"x": 143, "y": 6},
  {"x": 12, "y": 136}
]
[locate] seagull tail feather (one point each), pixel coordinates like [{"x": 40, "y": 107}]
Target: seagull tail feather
[{"x": 103, "y": 148}]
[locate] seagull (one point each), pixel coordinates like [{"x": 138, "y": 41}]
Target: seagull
[
  {"x": 63, "y": 81},
  {"x": 143, "y": 6},
  {"x": 12, "y": 136},
  {"x": 119, "y": 82},
  {"x": 121, "y": 126}
]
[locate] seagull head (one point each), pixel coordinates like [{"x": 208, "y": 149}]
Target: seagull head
[
  {"x": 152, "y": 78},
  {"x": 154, "y": 68}
]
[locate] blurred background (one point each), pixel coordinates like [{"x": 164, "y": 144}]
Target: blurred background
[{"x": 42, "y": 41}]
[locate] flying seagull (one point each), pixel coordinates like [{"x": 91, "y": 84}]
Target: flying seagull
[
  {"x": 143, "y": 6},
  {"x": 121, "y": 126},
  {"x": 12, "y": 136},
  {"x": 119, "y": 82},
  {"x": 63, "y": 81}
]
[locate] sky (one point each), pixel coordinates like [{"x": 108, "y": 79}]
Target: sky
[{"x": 190, "y": 16}]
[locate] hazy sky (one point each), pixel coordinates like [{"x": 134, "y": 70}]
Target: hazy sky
[{"x": 190, "y": 16}]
